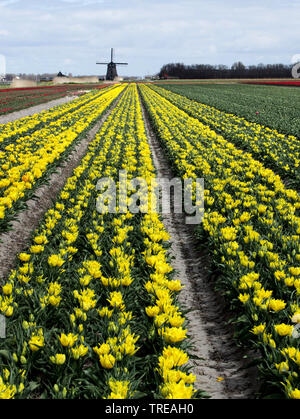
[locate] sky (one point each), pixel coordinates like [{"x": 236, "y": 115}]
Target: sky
[{"x": 48, "y": 36}]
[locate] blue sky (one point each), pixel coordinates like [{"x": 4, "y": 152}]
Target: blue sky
[{"x": 71, "y": 35}]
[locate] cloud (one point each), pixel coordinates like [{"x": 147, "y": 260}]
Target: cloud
[
  {"x": 146, "y": 33},
  {"x": 4, "y": 3},
  {"x": 82, "y": 3},
  {"x": 67, "y": 61},
  {"x": 3, "y": 33},
  {"x": 295, "y": 59},
  {"x": 2, "y": 65}
]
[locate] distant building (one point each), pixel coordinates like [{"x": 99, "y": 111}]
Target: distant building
[
  {"x": 46, "y": 79},
  {"x": 151, "y": 77},
  {"x": 132, "y": 78},
  {"x": 167, "y": 77},
  {"x": 4, "y": 80}
]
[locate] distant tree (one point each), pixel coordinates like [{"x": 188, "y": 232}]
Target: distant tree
[
  {"x": 237, "y": 70},
  {"x": 222, "y": 71}
]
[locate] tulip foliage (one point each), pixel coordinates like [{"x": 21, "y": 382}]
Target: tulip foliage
[
  {"x": 251, "y": 227},
  {"x": 257, "y": 101},
  {"x": 92, "y": 307}
]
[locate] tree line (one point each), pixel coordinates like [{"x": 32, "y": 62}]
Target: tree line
[
  {"x": 34, "y": 77},
  {"x": 237, "y": 71}
]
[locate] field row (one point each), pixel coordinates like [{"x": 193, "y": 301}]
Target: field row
[
  {"x": 12, "y": 100},
  {"x": 92, "y": 306},
  {"x": 32, "y": 148},
  {"x": 253, "y": 232},
  {"x": 274, "y": 107},
  {"x": 275, "y": 150}
]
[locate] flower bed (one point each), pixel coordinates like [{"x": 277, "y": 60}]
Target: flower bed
[
  {"x": 33, "y": 148},
  {"x": 252, "y": 229},
  {"x": 93, "y": 301}
]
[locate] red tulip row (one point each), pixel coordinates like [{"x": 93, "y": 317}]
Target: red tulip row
[{"x": 275, "y": 82}]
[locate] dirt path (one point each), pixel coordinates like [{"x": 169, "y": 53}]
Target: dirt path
[
  {"x": 14, "y": 241},
  {"x": 212, "y": 338},
  {"x": 13, "y": 116}
]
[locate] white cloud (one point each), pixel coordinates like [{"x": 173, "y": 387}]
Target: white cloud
[
  {"x": 146, "y": 33},
  {"x": 2, "y": 65},
  {"x": 3, "y": 33},
  {"x": 67, "y": 61},
  {"x": 295, "y": 59},
  {"x": 82, "y": 3},
  {"x": 4, "y": 3}
]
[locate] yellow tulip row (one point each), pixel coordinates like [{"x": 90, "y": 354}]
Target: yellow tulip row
[
  {"x": 25, "y": 126},
  {"x": 279, "y": 151},
  {"x": 168, "y": 320},
  {"x": 120, "y": 343},
  {"x": 25, "y": 162},
  {"x": 76, "y": 296},
  {"x": 164, "y": 311},
  {"x": 118, "y": 350},
  {"x": 49, "y": 294},
  {"x": 250, "y": 222}
]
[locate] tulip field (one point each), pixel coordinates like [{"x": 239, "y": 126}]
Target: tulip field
[
  {"x": 270, "y": 106},
  {"x": 32, "y": 147},
  {"x": 92, "y": 306},
  {"x": 12, "y": 100}
]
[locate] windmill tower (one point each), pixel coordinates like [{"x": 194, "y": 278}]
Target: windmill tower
[{"x": 112, "y": 67}]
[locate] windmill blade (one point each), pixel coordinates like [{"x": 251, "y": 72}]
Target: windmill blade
[
  {"x": 121, "y": 63},
  {"x": 103, "y": 63},
  {"x": 112, "y": 55}
]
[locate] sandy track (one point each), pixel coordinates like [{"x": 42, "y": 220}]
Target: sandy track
[
  {"x": 14, "y": 241},
  {"x": 212, "y": 338},
  {"x": 23, "y": 113}
]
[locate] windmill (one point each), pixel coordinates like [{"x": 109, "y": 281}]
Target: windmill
[{"x": 112, "y": 67}]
